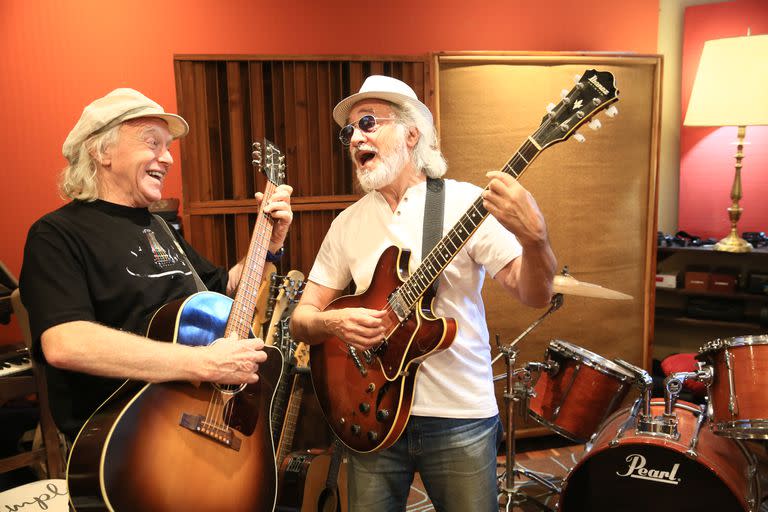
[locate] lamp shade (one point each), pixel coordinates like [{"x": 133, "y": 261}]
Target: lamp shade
[{"x": 731, "y": 85}]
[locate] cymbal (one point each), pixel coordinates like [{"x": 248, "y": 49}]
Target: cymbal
[{"x": 569, "y": 285}]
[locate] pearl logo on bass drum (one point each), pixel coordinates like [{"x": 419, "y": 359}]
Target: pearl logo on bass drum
[{"x": 637, "y": 470}]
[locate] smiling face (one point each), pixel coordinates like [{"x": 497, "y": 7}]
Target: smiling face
[
  {"x": 381, "y": 155},
  {"x": 132, "y": 171}
]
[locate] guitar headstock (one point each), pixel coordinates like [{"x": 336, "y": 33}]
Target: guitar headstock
[
  {"x": 594, "y": 91},
  {"x": 301, "y": 355},
  {"x": 267, "y": 158},
  {"x": 293, "y": 284}
]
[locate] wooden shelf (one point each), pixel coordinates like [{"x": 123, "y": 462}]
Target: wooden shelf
[
  {"x": 709, "y": 249},
  {"x": 730, "y": 296},
  {"x": 674, "y": 316}
]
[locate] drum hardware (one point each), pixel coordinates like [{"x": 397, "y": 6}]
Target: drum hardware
[
  {"x": 517, "y": 394},
  {"x": 644, "y": 382},
  {"x": 733, "y": 400}
]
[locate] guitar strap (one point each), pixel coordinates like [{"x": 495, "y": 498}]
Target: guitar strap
[
  {"x": 434, "y": 207},
  {"x": 198, "y": 282}
]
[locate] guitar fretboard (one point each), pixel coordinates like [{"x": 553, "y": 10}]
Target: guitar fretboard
[
  {"x": 409, "y": 293},
  {"x": 244, "y": 306}
]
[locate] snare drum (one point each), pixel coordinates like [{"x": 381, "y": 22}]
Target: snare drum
[
  {"x": 632, "y": 471},
  {"x": 581, "y": 392},
  {"x": 737, "y": 393}
]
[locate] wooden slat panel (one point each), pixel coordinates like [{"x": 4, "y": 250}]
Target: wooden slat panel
[
  {"x": 243, "y": 228},
  {"x": 208, "y": 233},
  {"x": 322, "y": 161},
  {"x": 237, "y": 144},
  {"x": 341, "y": 165},
  {"x": 214, "y": 130},
  {"x": 289, "y": 100}
]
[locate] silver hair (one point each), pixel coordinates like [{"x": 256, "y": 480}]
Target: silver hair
[
  {"x": 78, "y": 179},
  {"x": 427, "y": 156}
]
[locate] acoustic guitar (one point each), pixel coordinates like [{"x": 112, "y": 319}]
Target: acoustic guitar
[
  {"x": 183, "y": 446},
  {"x": 366, "y": 396},
  {"x": 313, "y": 481}
]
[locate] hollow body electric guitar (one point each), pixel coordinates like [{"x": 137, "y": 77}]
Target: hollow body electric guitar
[
  {"x": 366, "y": 396},
  {"x": 184, "y": 446}
]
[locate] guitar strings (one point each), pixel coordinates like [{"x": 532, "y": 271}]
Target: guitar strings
[
  {"x": 218, "y": 407},
  {"x": 253, "y": 276}
]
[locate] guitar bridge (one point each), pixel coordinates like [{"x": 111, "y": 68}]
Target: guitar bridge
[{"x": 222, "y": 435}]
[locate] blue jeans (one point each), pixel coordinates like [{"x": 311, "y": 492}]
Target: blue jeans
[{"x": 456, "y": 459}]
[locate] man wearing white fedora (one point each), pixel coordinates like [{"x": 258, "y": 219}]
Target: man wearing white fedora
[{"x": 452, "y": 435}]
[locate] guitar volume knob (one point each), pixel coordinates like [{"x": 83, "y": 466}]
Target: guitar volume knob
[
  {"x": 382, "y": 414},
  {"x": 356, "y": 429},
  {"x": 372, "y": 436},
  {"x": 365, "y": 407}
]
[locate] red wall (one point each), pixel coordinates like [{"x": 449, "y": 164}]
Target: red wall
[
  {"x": 707, "y": 154},
  {"x": 58, "y": 56}
]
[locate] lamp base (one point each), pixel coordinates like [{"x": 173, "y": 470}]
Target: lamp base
[{"x": 733, "y": 243}]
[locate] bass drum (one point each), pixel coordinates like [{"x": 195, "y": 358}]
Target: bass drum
[{"x": 643, "y": 471}]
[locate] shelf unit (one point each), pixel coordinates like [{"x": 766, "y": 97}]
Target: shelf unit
[{"x": 677, "y": 330}]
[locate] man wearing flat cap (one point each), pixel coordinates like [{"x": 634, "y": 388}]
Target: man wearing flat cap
[
  {"x": 96, "y": 269},
  {"x": 452, "y": 435}
]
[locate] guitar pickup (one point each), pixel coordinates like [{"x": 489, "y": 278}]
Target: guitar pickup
[{"x": 222, "y": 435}]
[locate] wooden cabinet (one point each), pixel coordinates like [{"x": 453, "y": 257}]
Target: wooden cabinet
[{"x": 688, "y": 317}]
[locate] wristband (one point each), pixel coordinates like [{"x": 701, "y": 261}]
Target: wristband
[{"x": 275, "y": 257}]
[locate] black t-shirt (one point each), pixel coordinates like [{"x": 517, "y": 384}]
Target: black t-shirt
[{"x": 104, "y": 263}]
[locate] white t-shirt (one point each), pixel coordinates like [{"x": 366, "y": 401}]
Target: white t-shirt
[{"x": 457, "y": 382}]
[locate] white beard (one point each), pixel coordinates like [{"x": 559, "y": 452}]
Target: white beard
[{"x": 387, "y": 170}]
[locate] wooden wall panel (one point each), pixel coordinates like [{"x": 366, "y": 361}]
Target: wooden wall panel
[{"x": 230, "y": 101}]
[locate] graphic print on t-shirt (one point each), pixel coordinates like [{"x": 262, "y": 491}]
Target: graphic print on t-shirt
[{"x": 166, "y": 261}]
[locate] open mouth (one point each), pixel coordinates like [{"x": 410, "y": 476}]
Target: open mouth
[
  {"x": 364, "y": 156},
  {"x": 158, "y": 175}
]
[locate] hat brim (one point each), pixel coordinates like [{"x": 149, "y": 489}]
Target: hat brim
[
  {"x": 176, "y": 124},
  {"x": 342, "y": 109}
]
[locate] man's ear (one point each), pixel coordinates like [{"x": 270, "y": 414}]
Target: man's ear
[
  {"x": 413, "y": 137},
  {"x": 104, "y": 159}
]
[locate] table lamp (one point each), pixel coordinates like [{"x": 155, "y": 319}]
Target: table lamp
[{"x": 731, "y": 89}]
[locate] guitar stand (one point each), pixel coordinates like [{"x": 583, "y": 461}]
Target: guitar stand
[{"x": 516, "y": 397}]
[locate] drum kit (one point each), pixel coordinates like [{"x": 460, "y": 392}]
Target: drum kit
[{"x": 657, "y": 454}]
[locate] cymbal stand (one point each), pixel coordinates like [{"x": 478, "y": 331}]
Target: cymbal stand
[{"x": 517, "y": 394}]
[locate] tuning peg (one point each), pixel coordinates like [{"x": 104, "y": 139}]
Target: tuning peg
[
  {"x": 579, "y": 137},
  {"x": 595, "y": 124},
  {"x": 256, "y": 146},
  {"x": 564, "y": 93},
  {"x": 612, "y": 111},
  {"x": 577, "y": 78},
  {"x": 550, "y": 108}
]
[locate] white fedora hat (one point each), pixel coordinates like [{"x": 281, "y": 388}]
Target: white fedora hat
[{"x": 380, "y": 87}]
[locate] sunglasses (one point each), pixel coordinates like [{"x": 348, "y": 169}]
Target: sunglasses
[{"x": 367, "y": 124}]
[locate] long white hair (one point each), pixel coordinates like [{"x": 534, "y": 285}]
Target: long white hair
[
  {"x": 427, "y": 156},
  {"x": 78, "y": 180}
]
